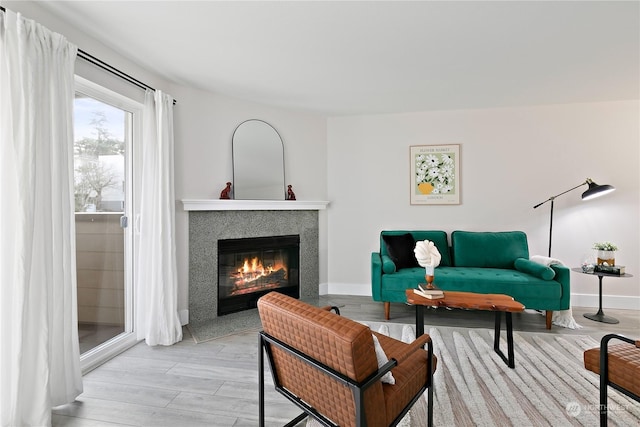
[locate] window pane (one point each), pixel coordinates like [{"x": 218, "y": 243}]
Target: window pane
[
  {"x": 99, "y": 165},
  {"x": 99, "y": 156}
]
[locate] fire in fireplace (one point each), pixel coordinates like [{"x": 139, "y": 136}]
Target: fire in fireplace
[{"x": 251, "y": 267}]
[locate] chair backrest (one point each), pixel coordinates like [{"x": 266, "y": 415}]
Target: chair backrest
[{"x": 340, "y": 343}]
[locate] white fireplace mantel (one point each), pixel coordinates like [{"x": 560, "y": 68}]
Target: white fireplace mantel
[{"x": 252, "y": 205}]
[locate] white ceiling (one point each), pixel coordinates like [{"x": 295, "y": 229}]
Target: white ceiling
[{"x": 338, "y": 58}]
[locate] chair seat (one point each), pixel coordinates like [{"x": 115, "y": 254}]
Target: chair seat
[
  {"x": 408, "y": 380},
  {"x": 624, "y": 365}
]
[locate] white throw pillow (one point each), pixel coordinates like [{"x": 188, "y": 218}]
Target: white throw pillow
[{"x": 382, "y": 360}]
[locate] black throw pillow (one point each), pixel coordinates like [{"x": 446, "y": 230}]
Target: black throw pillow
[{"x": 400, "y": 249}]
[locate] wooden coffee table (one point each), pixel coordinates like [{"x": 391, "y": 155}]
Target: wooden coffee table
[{"x": 472, "y": 301}]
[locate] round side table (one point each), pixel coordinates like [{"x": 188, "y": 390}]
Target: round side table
[{"x": 600, "y": 316}]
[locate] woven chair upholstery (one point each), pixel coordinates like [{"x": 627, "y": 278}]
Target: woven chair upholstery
[
  {"x": 621, "y": 370},
  {"x": 347, "y": 347}
]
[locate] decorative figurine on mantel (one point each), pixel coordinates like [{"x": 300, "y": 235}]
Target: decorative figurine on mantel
[
  {"x": 290, "y": 194},
  {"x": 226, "y": 193}
]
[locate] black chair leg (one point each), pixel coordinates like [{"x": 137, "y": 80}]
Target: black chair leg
[
  {"x": 430, "y": 390},
  {"x": 430, "y": 406},
  {"x": 604, "y": 382},
  {"x": 260, "y": 381}
]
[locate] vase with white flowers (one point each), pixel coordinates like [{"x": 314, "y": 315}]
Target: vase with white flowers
[{"x": 606, "y": 253}]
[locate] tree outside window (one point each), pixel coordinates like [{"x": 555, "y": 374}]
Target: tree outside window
[{"x": 98, "y": 156}]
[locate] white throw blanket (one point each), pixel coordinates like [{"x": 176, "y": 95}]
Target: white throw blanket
[
  {"x": 562, "y": 318},
  {"x": 545, "y": 260}
]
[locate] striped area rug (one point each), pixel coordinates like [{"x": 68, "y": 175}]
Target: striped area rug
[{"x": 549, "y": 385}]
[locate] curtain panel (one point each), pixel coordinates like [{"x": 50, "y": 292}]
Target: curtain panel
[
  {"x": 157, "y": 318},
  {"x": 39, "y": 355}
]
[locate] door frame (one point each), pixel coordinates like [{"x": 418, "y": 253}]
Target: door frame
[{"x": 105, "y": 351}]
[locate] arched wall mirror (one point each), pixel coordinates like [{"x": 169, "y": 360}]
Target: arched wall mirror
[{"x": 258, "y": 162}]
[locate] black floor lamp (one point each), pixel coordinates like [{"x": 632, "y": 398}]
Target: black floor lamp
[{"x": 592, "y": 192}]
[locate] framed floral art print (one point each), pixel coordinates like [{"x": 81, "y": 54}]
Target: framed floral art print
[{"x": 435, "y": 174}]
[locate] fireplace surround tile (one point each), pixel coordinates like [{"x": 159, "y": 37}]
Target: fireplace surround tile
[{"x": 207, "y": 227}]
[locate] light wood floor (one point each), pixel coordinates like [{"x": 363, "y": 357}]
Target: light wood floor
[{"x": 215, "y": 383}]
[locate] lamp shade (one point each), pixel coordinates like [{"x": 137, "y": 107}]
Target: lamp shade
[{"x": 596, "y": 190}]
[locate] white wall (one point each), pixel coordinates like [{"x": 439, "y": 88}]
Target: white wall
[{"x": 511, "y": 159}]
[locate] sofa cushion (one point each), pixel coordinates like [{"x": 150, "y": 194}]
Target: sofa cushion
[
  {"x": 496, "y": 281},
  {"x": 480, "y": 280},
  {"x": 488, "y": 249},
  {"x": 388, "y": 266},
  {"x": 540, "y": 271},
  {"x": 438, "y": 237},
  {"x": 400, "y": 249}
]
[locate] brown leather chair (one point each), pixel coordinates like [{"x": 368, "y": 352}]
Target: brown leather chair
[
  {"x": 326, "y": 365},
  {"x": 620, "y": 368}
]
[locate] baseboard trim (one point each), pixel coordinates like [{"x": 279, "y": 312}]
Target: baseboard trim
[
  {"x": 183, "y": 315},
  {"x": 349, "y": 289},
  {"x": 608, "y": 301},
  {"x": 577, "y": 300}
]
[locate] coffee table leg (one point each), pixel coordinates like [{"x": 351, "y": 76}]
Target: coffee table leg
[
  {"x": 419, "y": 320},
  {"x": 510, "y": 360},
  {"x": 496, "y": 335}
]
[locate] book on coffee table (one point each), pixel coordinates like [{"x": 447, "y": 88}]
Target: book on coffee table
[{"x": 429, "y": 293}]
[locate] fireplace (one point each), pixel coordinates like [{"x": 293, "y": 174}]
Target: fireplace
[
  {"x": 251, "y": 267},
  {"x": 208, "y": 227}
]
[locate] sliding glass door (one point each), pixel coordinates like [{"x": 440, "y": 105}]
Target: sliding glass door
[{"x": 104, "y": 134}]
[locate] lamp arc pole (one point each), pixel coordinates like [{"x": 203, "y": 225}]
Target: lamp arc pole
[{"x": 593, "y": 191}]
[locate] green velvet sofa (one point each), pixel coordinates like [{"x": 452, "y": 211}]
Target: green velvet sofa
[{"x": 481, "y": 262}]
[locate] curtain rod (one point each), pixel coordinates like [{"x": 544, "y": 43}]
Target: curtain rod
[
  {"x": 109, "y": 68},
  {"x": 113, "y": 70}
]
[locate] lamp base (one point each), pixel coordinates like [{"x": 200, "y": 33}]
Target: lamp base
[{"x": 598, "y": 317}]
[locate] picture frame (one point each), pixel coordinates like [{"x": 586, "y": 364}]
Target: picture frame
[{"x": 435, "y": 174}]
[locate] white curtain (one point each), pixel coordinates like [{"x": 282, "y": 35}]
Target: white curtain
[
  {"x": 157, "y": 318},
  {"x": 39, "y": 355}
]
